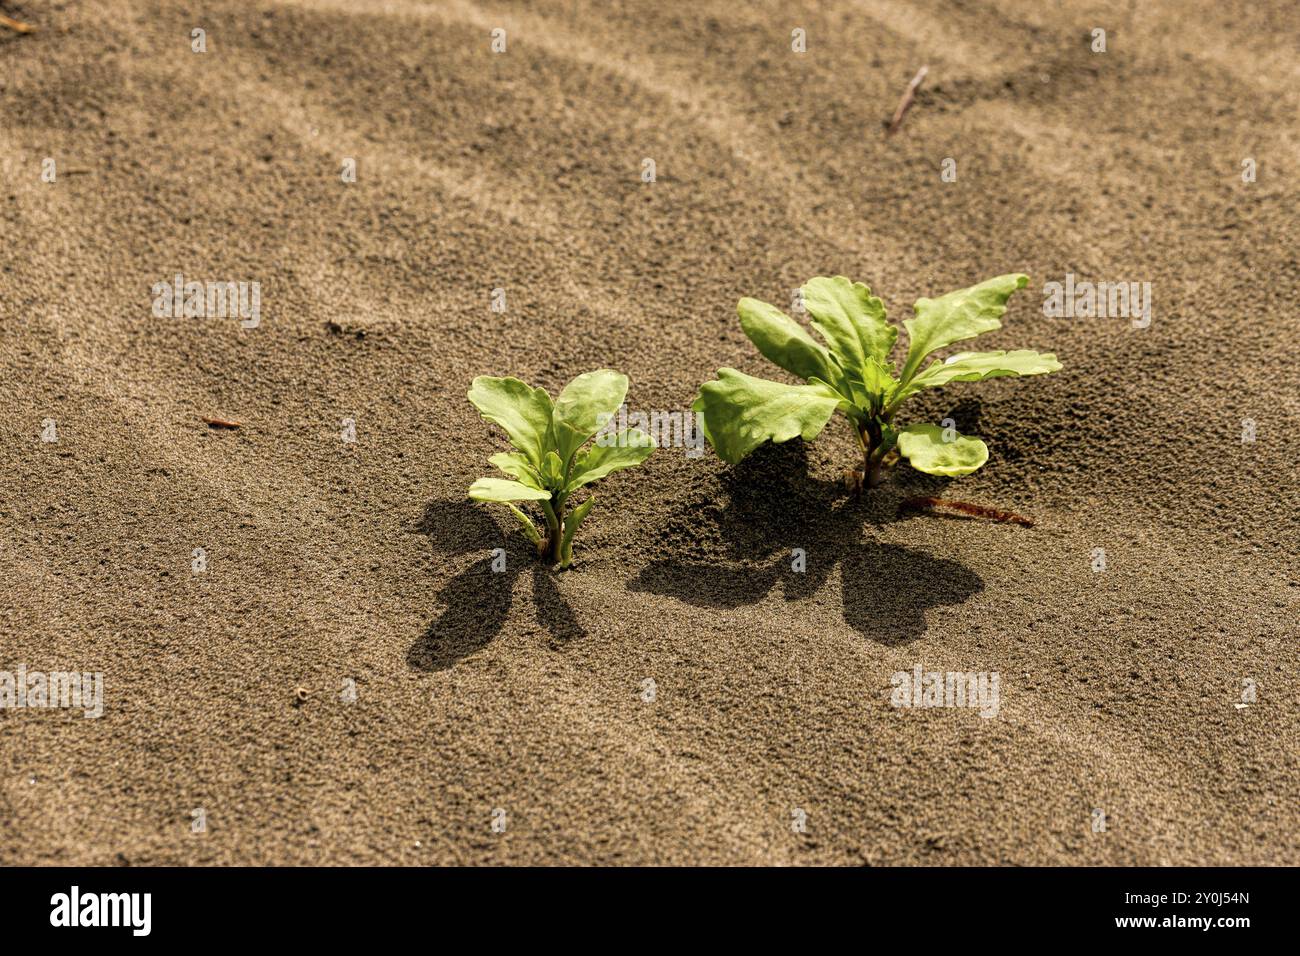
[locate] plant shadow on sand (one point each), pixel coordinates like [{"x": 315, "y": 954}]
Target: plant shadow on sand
[
  {"x": 743, "y": 549},
  {"x": 477, "y": 601}
]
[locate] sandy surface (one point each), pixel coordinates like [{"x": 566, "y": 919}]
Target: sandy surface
[{"x": 523, "y": 692}]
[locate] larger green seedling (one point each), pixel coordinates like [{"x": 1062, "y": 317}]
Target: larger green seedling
[
  {"x": 852, "y": 373},
  {"x": 550, "y": 463}
]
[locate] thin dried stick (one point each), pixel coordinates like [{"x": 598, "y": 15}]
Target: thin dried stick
[
  {"x": 221, "y": 423},
  {"x": 908, "y": 95},
  {"x": 16, "y": 25},
  {"x": 975, "y": 511}
]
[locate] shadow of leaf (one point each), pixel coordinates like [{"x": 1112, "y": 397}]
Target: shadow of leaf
[
  {"x": 477, "y": 601},
  {"x": 740, "y": 550},
  {"x": 727, "y": 584},
  {"x": 553, "y": 612},
  {"x": 459, "y": 526},
  {"x": 477, "y": 604},
  {"x": 888, "y": 588}
]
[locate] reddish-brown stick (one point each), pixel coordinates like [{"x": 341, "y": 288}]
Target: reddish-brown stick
[
  {"x": 975, "y": 511},
  {"x": 221, "y": 423},
  {"x": 16, "y": 25},
  {"x": 905, "y": 103}
]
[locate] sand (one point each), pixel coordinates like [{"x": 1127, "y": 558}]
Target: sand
[{"x": 506, "y": 718}]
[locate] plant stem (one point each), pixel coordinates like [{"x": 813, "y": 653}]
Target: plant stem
[
  {"x": 554, "y": 527},
  {"x": 557, "y": 533},
  {"x": 872, "y": 440},
  {"x": 874, "y": 445},
  {"x": 875, "y": 475}
]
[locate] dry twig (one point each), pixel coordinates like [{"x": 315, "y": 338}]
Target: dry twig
[
  {"x": 975, "y": 511},
  {"x": 908, "y": 95},
  {"x": 16, "y": 25}
]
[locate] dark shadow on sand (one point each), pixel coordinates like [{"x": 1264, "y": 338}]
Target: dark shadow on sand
[
  {"x": 477, "y": 601},
  {"x": 773, "y": 506}
]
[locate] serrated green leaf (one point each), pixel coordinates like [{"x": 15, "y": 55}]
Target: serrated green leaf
[
  {"x": 524, "y": 413},
  {"x": 850, "y": 319},
  {"x": 499, "y": 489},
  {"x": 629, "y": 447},
  {"x": 783, "y": 341},
  {"x": 977, "y": 366},
  {"x": 515, "y": 464},
  {"x": 742, "y": 412},
  {"x": 584, "y": 406},
  {"x": 926, "y": 450},
  {"x": 958, "y": 315}
]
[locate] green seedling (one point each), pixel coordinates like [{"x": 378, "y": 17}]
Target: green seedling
[
  {"x": 549, "y": 463},
  {"x": 853, "y": 373}
]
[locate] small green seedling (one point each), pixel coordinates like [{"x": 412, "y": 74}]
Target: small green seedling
[
  {"x": 853, "y": 373},
  {"x": 549, "y": 462}
]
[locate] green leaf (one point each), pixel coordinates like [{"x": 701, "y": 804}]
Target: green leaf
[
  {"x": 958, "y": 315},
  {"x": 552, "y": 470},
  {"x": 783, "y": 341},
  {"x": 742, "y": 412},
  {"x": 845, "y": 401},
  {"x": 498, "y": 489},
  {"x": 925, "y": 449},
  {"x": 878, "y": 381},
  {"x": 571, "y": 524},
  {"x": 630, "y": 447},
  {"x": 977, "y": 366},
  {"x": 888, "y": 438},
  {"x": 524, "y": 413},
  {"x": 577, "y": 515},
  {"x": 530, "y": 529},
  {"x": 515, "y": 464},
  {"x": 850, "y": 319},
  {"x": 586, "y": 404}
]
